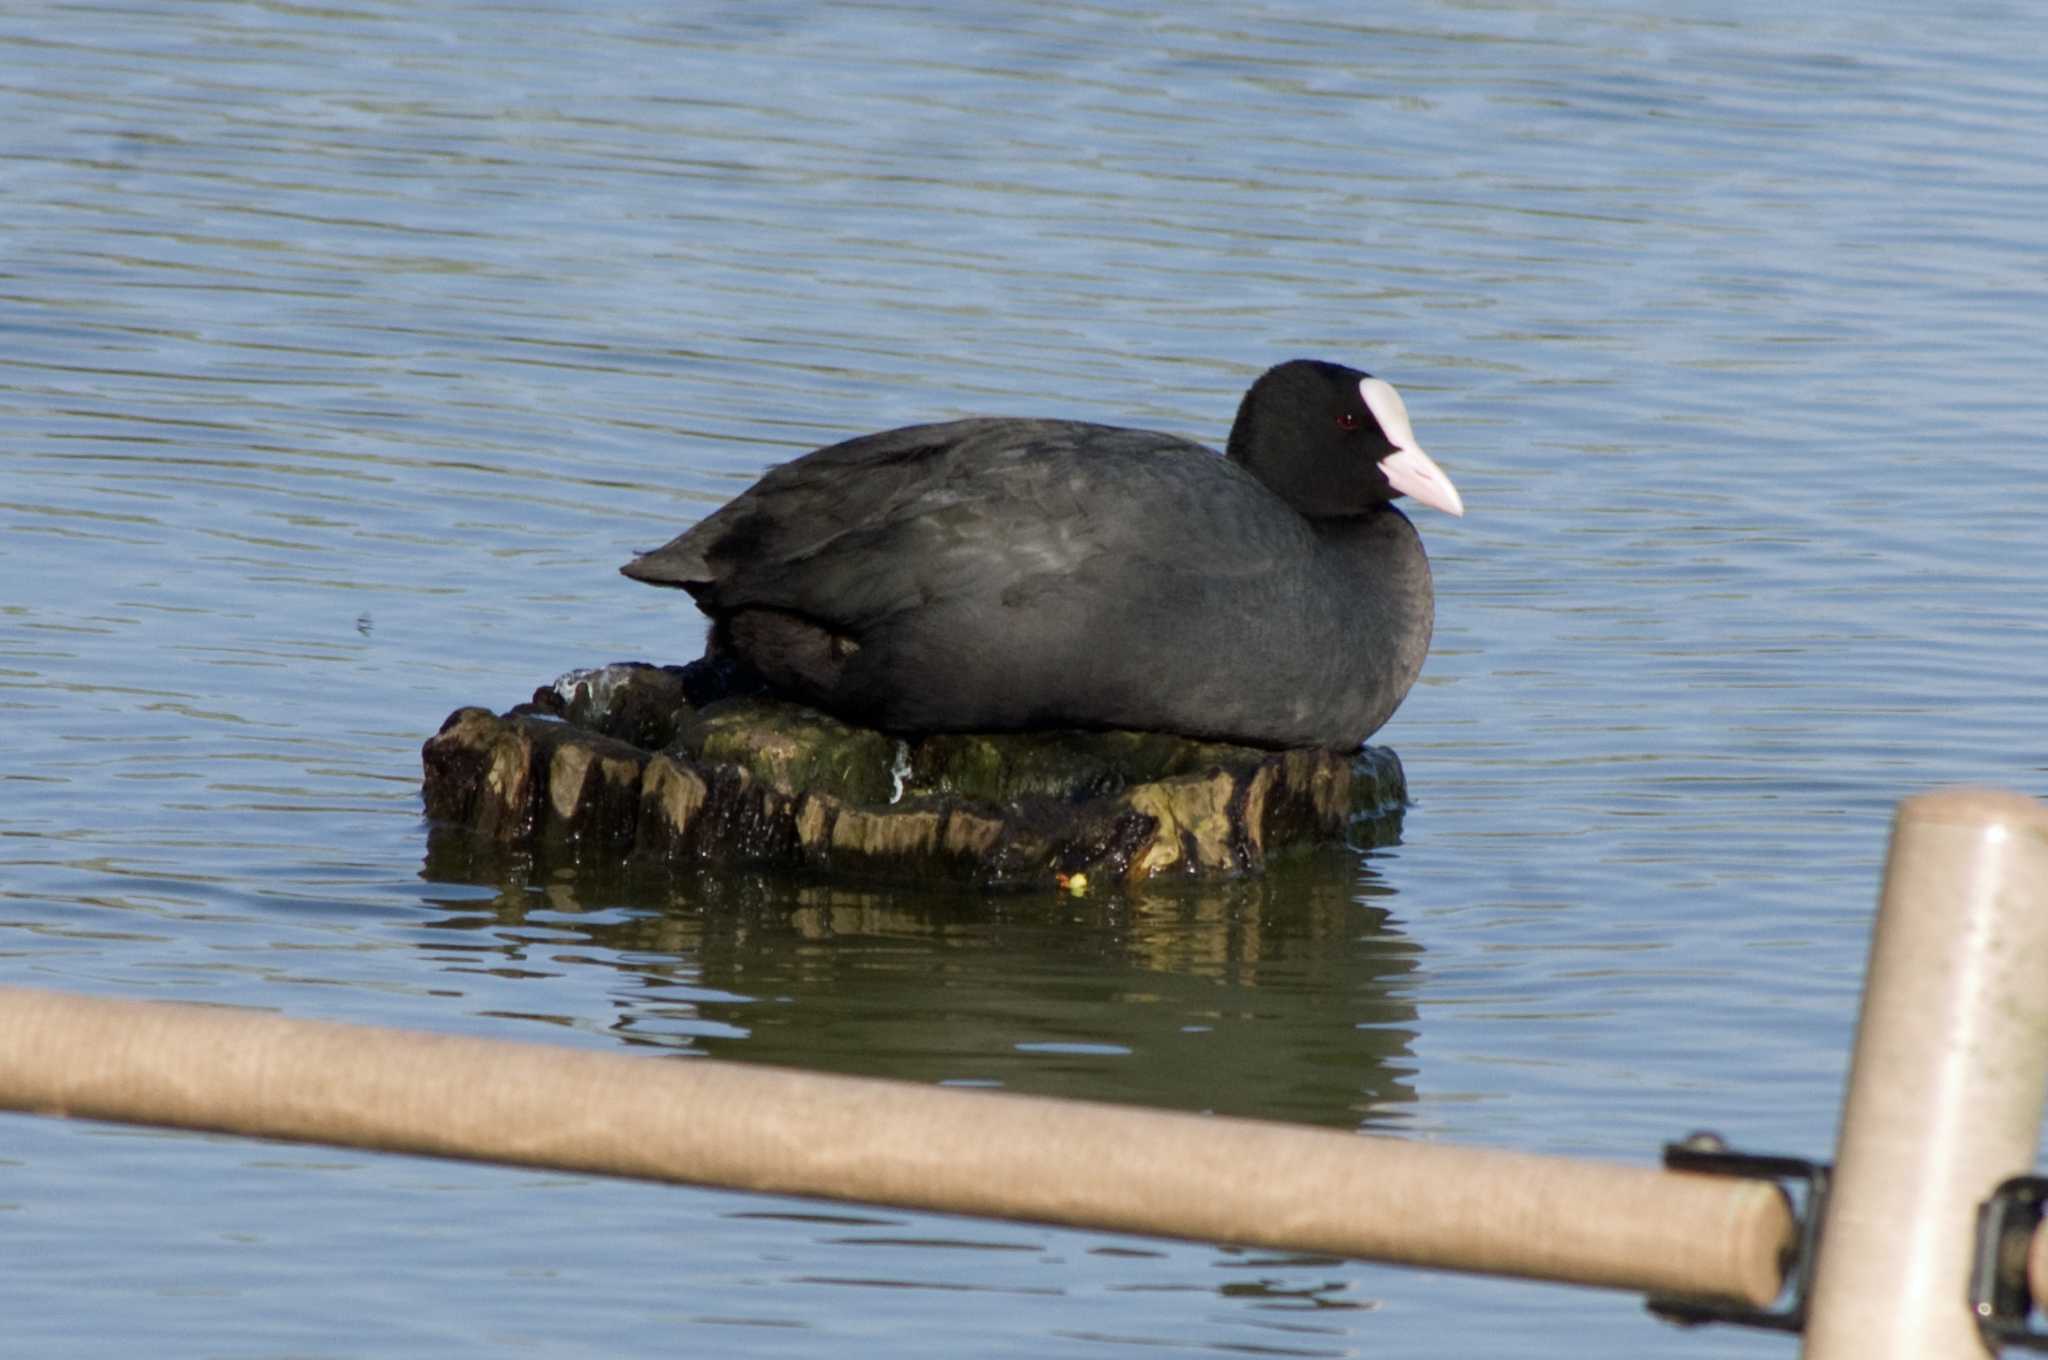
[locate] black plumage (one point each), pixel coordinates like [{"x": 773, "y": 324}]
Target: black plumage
[{"x": 995, "y": 574}]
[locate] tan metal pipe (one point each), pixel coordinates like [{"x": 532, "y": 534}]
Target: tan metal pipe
[
  {"x": 1950, "y": 1072},
  {"x": 895, "y": 1143}
]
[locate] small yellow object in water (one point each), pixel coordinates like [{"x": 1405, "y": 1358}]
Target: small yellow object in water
[{"x": 1077, "y": 884}]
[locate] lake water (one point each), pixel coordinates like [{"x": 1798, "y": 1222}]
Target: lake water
[{"x": 345, "y": 351}]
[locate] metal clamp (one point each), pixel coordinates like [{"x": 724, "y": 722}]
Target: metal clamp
[
  {"x": 1708, "y": 1154},
  {"x": 1999, "y": 1293}
]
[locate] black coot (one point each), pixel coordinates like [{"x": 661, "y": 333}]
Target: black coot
[{"x": 993, "y": 574}]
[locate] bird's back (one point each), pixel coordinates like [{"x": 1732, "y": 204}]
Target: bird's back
[{"x": 990, "y": 574}]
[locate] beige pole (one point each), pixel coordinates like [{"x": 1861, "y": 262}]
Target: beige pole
[
  {"x": 1946, "y": 1088},
  {"x": 886, "y": 1142}
]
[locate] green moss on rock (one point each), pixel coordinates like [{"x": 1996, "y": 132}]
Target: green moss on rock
[{"x": 618, "y": 761}]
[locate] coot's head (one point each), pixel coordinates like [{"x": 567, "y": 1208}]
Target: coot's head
[{"x": 1330, "y": 440}]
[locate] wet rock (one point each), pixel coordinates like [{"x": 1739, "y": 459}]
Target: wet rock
[
  {"x": 667, "y": 765},
  {"x": 795, "y": 750}
]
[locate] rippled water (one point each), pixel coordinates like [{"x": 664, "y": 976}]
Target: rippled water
[{"x": 346, "y": 351}]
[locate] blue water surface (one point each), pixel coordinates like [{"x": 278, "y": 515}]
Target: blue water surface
[{"x": 345, "y": 351}]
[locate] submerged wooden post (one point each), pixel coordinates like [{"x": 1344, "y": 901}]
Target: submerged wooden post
[{"x": 1948, "y": 1079}]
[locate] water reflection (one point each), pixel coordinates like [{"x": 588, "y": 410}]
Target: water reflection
[{"x": 1280, "y": 997}]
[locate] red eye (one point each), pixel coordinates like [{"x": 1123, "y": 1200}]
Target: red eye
[{"x": 1346, "y": 420}]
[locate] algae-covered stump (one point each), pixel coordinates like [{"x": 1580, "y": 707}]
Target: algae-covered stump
[{"x": 658, "y": 763}]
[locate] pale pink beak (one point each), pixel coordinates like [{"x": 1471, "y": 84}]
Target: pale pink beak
[
  {"x": 1408, "y": 469},
  {"x": 1415, "y": 474}
]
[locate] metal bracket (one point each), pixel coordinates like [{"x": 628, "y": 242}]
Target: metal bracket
[
  {"x": 1707, "y": 1154},
  {"x": 1999, "y": 1293},
  {"x": 2000, "y": 1296}
]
